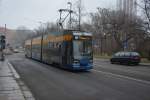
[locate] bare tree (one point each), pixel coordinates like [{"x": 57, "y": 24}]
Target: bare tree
[
  {"x": 147, "y": 10},
  {"x": 51, "y": 27},
  {"x": 45, "y": 28},
  {"x": 117, "y": 26},
  {"x": 145, "y": 6}
]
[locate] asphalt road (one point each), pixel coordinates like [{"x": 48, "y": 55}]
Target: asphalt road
[{"x": 104, "y": 82}]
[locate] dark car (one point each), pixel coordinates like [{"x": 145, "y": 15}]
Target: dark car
[{"x": 126, "y": 58}]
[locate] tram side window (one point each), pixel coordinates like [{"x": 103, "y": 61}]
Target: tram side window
[
  {"x": 54, "y": 45},
  {"x": 58, "y": 45},
  {"x": 51, "y": 45}
]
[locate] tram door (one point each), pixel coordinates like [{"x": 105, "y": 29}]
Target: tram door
[
  {"x": 63, "y": 53},
  {"x": 67, "y": 56},
  {"x": 69, "y": 53},
  {"x": 60, "y": 51}
]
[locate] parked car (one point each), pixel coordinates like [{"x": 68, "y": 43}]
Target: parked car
[
  {"x": 126, "y": 58},
  {"x": 16, "y": 51}
]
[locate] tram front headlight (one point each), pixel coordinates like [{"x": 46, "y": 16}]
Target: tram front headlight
[{"x": 75, "y": 61}]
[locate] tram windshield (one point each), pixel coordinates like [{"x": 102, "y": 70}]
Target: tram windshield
[{"x": 82, "y": 48}]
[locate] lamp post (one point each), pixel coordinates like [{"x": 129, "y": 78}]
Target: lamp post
[{"x": 104, "y": 43}]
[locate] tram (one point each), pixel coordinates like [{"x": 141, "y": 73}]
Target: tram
[{"x": 69, "y": 49}]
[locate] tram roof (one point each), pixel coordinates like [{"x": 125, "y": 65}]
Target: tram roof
[{"x": 73, "y": 32}]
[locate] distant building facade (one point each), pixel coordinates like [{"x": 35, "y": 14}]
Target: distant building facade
[{"x": 129, "y": 7}]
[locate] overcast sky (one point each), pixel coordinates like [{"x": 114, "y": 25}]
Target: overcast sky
[{"x": 29, "y": 12}]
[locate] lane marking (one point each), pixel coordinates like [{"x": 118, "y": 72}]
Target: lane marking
[
  {"x": 14, "y": 72},
  {"x": 126, "y": 70},
  {"x": 100, "y": 66},
  {"x": 122, "y": 76},
  {"x": 97, "y": 65}
]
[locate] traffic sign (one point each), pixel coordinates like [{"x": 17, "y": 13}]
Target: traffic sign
[{"x": 125, "y": 44}]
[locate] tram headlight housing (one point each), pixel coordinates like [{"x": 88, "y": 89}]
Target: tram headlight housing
[{"x": 91, "y": 60}]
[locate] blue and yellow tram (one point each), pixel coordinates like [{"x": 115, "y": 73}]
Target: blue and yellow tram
[{"x": 70, "y": 49}]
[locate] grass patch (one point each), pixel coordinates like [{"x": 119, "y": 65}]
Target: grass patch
[
  {"x": 102, "y": 56},
  {"x": 145, "y": 60}
]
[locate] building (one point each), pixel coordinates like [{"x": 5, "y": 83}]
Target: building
[{"x": 129, "y": 7}]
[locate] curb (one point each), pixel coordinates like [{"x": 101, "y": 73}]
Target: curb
[
  {"x": 145, "y": 64},
  {"x": 24, "y": 89},
  {"x": 15, "y": 74}
]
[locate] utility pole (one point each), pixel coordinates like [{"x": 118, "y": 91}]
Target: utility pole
[
  {"x": 70, "y": 14},
  {"x": 79, "y": 7},
  {"x": 42, "y": 37}
]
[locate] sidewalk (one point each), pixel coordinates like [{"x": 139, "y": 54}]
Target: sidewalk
[
  {"x": 145, "y": 64},
  {"x": 10, "y": 88}
]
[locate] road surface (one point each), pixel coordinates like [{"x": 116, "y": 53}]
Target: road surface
[{"x": 104, "y": 82}]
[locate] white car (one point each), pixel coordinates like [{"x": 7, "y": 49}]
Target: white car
[{"x": 16, "y": 51}]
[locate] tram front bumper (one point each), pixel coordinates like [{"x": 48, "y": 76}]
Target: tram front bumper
[{"x": 79, "y": 67}]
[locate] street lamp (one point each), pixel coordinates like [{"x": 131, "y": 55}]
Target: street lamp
[
  {"x": 70, "y": 4},
  {"x": 104, "y": 43}
]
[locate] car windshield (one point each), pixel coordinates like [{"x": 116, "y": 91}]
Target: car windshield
[
  {"x": 82, "y": 48},
  {"x": 126, "y": 54},
  {"x": 134, "y": 54}
]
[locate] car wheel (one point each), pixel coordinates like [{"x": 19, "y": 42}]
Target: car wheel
[
  {"x": 128, "y": 63},
  {"x": 120, "y": 63},
  {"x": 136, "y": 64}
]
